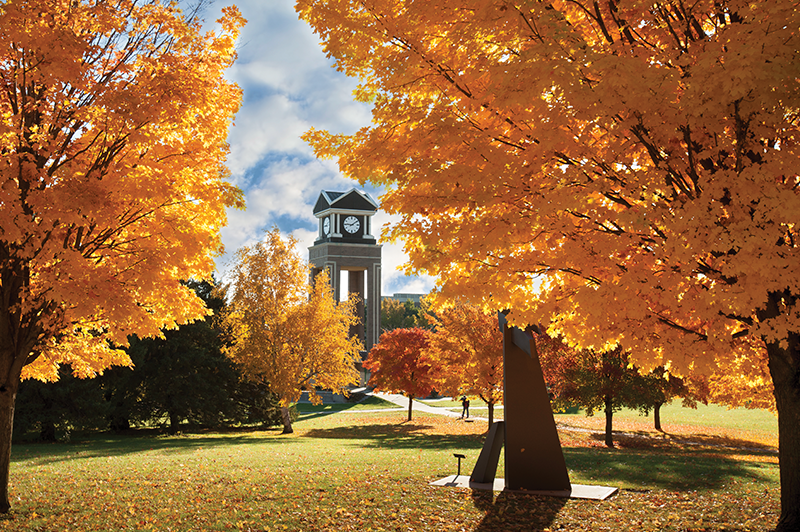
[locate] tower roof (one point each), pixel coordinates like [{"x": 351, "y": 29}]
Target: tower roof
[{"x": 352, "y": 200}]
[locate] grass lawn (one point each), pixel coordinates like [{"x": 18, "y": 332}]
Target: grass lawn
[
  {"x": 370, "y": 403},
  {"x": 370, "y": 471}
]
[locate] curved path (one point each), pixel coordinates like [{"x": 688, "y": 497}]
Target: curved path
[{"x": 418, "y": 406}]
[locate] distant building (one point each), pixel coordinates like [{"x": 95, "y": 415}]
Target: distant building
[{"x": 402, "y": 298}]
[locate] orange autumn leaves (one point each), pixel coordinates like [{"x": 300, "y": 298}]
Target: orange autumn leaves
[
  {"x": 114, "y": 117},
  {"x": 399, "y": 363},
  {"x": 113, "y": 125},
  {"x": 621, "y": 172},
  {"x": 462, "y": 355}
]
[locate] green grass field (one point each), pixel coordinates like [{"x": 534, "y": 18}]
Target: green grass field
[
  {"x": 370, "y": 471},
  {"x": 370, "y": 403}
]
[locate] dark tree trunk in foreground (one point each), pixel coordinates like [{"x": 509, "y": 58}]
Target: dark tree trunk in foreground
[
  {"x": 286, "y": 416},
  {"x": 609, "y": 402},
  {"x": 410, "y": 403},
  {"x": 784, "y": 366},
  {"x": 491, "y": 413},
  {"x": 19, "y": 334},
  {"x": 8, "y": 396},
  {"x": 657, "y": 416}
]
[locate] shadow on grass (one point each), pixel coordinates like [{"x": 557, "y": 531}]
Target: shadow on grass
[
  {"x": 647, "y": 439},
  {"x": 515, "y": 512},
  {"x": 137, "y": 441},
  {"x": 715, "y": 440},
  {"x": 370, "y": 403},
  {"x": 657, "y": 469},
  {"x": 394, "y": 436}
]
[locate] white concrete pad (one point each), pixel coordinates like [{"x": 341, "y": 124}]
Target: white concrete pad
[{"x": 578, "y": 491}]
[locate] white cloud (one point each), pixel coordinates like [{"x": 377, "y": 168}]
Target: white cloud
[
  {"x": 269, "y": 125},
  {"x": 288, "y": 87},
  {"x": 393, "y": 259},
  {"x": 305, "y": 239}
]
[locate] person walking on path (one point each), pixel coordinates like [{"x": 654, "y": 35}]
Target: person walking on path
[{"x": 464, "y": 406}]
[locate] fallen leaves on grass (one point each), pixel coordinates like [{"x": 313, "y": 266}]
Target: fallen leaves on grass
[{"x": 371, "y": 472}]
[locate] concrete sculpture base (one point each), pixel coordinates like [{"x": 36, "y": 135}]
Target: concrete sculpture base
[{"x": 576, "y": 491}]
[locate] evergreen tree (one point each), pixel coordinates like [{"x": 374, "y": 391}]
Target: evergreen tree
[
  {"x": 183, "y": 377},
  {"x": 54, "y": 409}
]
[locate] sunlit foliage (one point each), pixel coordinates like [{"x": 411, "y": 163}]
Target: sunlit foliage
[
  {"x": 284, "y": 331},
  {"x": 113, "y": 124},
  {"x": 400, "y": 363},
  {"x": 468, "y": 345},
  {"x": 624, "y": 173}
]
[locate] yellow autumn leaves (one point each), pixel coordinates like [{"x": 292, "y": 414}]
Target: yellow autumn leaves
[
  {"x": 113, "y": 127},
  {"x": 284, "y": 331}
]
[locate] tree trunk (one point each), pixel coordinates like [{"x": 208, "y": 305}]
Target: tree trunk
[
  {"x": 657, "y": 416},
  {"x": 491, "y": 413},
  {"x": 48, "y": 432},
  {"x": 609, "y": 402},
  {"x": 410, "y": 403},
  {"x": 8, "y": 397},
  {"x": 174, "y": 422},
  {"x": 784, "y": 366},
  {"x": 19, "y": 334},
  {"x": 286, "y": 416}
]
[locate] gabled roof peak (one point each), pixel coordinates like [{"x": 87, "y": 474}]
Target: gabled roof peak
[{"x": 352, "y": 200}]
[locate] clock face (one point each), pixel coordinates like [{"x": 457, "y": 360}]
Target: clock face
[
  {"x": 326, "y": 226},
  {"x": 351, "y": 224}
]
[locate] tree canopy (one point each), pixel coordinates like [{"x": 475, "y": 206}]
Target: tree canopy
[
  {"x": 183, "y": 377},
  {"x": 284, "y": 331},
  {"x": 113, "y": 124},
  {"x": 397, "y": 315},
  {"x": 597, "y": 382},
  {"x": 401, "y": 363},
  {"x": 468, "y": 345},
  {"x": 621, "y": 172}
]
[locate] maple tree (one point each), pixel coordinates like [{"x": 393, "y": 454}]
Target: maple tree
[
  {"x": 622, "y": 172},
  {"x": 596, "y": 381},
  {"x": 662, "y": 387},
  {"x": 468, "y": 345},
  {"x": 284, "y": 331},
  {"x": 113, "y": 124},
  {"x": 400, "y": 363}
]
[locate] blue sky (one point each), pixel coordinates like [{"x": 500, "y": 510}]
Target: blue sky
[{"x": 289, "y": 86}]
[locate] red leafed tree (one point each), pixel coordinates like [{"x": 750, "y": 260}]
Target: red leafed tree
[
  {"x": 401, "y": 363},
  {"x": 469, "y": 346}
]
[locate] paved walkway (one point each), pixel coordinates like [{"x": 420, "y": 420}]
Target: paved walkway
[{"x": 418, "y": 406}]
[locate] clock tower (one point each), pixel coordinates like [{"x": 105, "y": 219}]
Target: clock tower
[{"x": 345, "y": 243}]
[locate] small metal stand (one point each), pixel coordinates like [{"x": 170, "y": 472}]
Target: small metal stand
[{"x": 459, "y": 456}]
